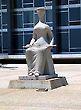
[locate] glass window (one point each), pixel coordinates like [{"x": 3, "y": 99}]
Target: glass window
[
  {"x": 0, "y": 4},
  {"x": 4, "y": 6},
  {"x": 28, "y": 17},
  {"x": 27, "y": 38},
  {"x": 4, "y": 18},
  {"x": 64, "y": 42},
  {"x": 38, "y": 3},
  {"x": 4, "y": 1},
  {"x": 49, "y": 16},
  {"x": 74, "y": 14},
  {"x": 27, "y": 1},
  {"x": 62, "y": 2},
  {"x": 50, "y": 24},
  {"x": 18, "y": 21},
  {"x": 74, "y": 1},
  {"x": 0, "y": 22},
  {"x": 18, "y": 41},
  {"x": 0, "y": 41},
  {"x": 28, "y": 25},
  {"x": 4, "y": 26},
  {"x": 27, "y": 5},
  {"x": 18, "y": 3},
  {"x": 74, "y": 22},
  {"x": 48, "y": 2},
  {"x": 36, "y": 18},
  {"x": 63, "y": 18},
  {"x": 5, "y": 41},
  {"x": 75, "y": 35}
]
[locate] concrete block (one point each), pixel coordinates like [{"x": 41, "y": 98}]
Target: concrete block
[{"x": 38, "y": 84}]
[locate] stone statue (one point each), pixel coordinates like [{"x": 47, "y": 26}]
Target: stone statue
[{"x": 38, "y": 52}]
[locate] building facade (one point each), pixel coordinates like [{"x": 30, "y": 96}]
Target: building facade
[{"x": 18, "y": 17}]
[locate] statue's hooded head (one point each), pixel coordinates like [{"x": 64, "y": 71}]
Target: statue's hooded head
[{"x": 41, "y": 12}]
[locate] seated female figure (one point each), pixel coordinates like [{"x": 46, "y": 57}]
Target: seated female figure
[{"x": 38, "y": 53}]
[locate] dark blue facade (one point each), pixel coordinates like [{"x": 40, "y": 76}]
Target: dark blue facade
[
  {"x": 18, "y": 17},
  {"x": 68, "y": 26}
]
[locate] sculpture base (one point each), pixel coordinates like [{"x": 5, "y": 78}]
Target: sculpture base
[
  {"x": 38, "y": 83},
  {"x": 41, "y": 77}
]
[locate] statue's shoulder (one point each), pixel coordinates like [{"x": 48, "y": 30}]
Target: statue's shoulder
[{"x": 41, "y": 25}]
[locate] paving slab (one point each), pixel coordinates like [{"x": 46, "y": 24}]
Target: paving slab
[{"x": 63, "y": 98}]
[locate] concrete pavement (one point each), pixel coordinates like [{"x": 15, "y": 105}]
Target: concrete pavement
[{"x": 63, "y": 98}]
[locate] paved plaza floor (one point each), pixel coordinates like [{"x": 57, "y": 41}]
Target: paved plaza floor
[{"x": 63, "y": 98}]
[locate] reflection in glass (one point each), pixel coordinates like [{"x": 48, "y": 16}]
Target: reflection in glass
[
  {"x": 18, "y": 21},
  {"x": 5, "y": 42},
  {"x": 18, "y": 3},
  {"x": 28, "y": 25},
  {"x": 18, "y": 42},
  {"x": 4, "y": 1},
  {"x": 36, "y": 19},
  {"x": 28, "y": 17},
  {"x": 38, "y": 3},
  {"x": 0, "y": 41},
  {"x": 27, "y": 1},
  {"x": 74, "y": 22},
  {"x": 62, "y": 2},
  {"x": 49, "y": 16},
  {"x": 64, "y": 42},
  {"x": 74, "y": 14},
  {"x": 75, "y": 38},
  {"x": 48, "y": 2},
  {"x": 63, "y": 18},
  {"x": 4, "y": 18},
  {"x": 27, "y": 38},
  {"x": 74, "y": 1},
  {"x": 4, "y": 26},
  {"x": 0, "y": 22},
  {"x": 4, "y": 6},
  {"x": 25, "y": 5}
]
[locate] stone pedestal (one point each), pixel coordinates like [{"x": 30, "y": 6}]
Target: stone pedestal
[{"x": 41, "y": 82}]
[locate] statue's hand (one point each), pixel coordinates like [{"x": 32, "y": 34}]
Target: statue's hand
[
  {"x": 26, "y": 46},
  {"x": 51, "y": 46}
]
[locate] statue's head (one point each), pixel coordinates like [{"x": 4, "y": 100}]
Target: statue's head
[{"x": 41, "y": 11}]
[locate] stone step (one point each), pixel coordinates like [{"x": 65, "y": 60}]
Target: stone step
[{"x": 38, "y": 84}]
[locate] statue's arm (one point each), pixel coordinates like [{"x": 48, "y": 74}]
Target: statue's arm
[
  {"x": 31, "y": 42},
  {"x": 33, "y": 38},
  {"x": 50, "y": 35}
]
